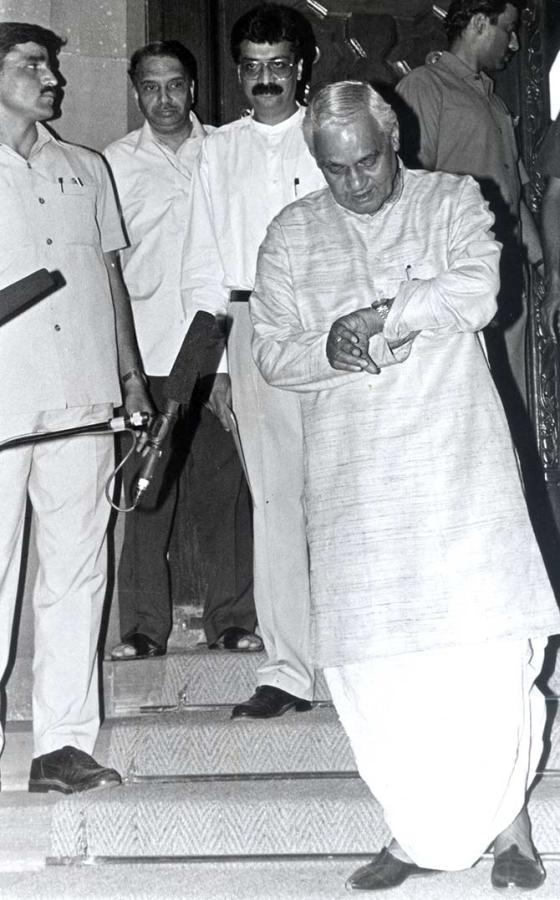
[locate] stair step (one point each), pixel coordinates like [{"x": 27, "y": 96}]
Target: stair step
[
  {"x": 212, "y": 818},
  {"x": 193, "y": 677},
  {"x": 208, "y": 742},
  {"x": 197, "y": 677},
  {"x": 233, "y": 818},
  {"x": 24, "y": 830},
  {"x": 255, "y": 880}
]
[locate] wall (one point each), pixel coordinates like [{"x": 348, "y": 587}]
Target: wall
[{"x": 98, "y": 105}]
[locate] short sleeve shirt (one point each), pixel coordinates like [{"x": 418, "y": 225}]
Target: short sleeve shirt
[
  {"x": 465, "y": 129},
  {"x": 58, "y": 211}
]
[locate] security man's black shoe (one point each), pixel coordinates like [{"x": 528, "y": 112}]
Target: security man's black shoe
[{"x": 69, "y": 770}]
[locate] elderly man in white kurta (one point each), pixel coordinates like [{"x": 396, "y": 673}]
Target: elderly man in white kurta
[{"x": 431, "y": 604}]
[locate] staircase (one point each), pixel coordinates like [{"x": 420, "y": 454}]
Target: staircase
[{"x": 215, "y": 808}]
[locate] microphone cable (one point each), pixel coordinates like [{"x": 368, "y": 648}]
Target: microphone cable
[{"x": 137, "y": 421}]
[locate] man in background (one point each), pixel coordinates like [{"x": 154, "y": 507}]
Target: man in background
[
  {"x": 247, "y": 172},
  {"x": 461, "y": 126},
  {"x": 152, "y": 167},
  {"x": 59, "y": 365}
]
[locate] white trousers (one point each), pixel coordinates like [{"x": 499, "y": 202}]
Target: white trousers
[
  {"x": 65, "y": 481},
  {"x": 271, "y": 435},
  {"x": 448, "y": 742}
]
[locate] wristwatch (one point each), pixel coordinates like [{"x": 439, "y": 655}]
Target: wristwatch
[{"x": 382, "y": 309}]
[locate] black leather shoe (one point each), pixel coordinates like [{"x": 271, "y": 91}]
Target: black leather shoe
[
  {"x": 383, "y": 872},
  {"x": 512, "y": 869},
  {"x": 268, "y": 702},
  {"x": 69, "y": 770}
]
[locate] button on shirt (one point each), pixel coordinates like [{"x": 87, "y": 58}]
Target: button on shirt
[
  {"x": 153, "y": 185},
  {"x": 58, "y": 211},
  {"x": 246, "y": 173}
]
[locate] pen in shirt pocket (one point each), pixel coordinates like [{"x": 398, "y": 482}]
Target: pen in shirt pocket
[{"x": 296, "y": 186}]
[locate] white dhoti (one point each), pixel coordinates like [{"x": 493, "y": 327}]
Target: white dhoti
[{"x": 447, "y": 741}]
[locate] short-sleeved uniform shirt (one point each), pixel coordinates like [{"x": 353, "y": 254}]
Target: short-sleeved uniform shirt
[{"x": 58, "y": 211}]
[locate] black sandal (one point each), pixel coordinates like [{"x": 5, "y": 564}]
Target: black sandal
[
  {"x": 144, "y": 648},
  {"x": 233, "y": 636}
]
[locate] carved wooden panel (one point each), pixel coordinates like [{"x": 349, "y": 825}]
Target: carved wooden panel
[{"x": 544, "y": 364}]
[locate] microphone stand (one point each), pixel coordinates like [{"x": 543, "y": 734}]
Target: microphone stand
[{"x": 136, "y": 422}]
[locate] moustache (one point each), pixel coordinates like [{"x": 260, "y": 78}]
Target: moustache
[{"x": 263, "y": 89}]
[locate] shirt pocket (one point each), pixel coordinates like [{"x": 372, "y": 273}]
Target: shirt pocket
[{"x": 77, "y": 205}]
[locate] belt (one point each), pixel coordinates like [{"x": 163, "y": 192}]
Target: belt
[{"x": 239, "y": 296}]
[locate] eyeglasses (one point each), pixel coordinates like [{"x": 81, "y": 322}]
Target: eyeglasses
[{"x": 253, "y": 68}]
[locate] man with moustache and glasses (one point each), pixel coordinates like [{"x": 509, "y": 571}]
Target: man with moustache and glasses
[
  {"x": 247, "y": 172},
  {"x": 59, "y": 368}
]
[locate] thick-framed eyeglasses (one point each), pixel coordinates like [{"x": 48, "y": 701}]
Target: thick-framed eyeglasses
[{"x": 253, "y": 68}]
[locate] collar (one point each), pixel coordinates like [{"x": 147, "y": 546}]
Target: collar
[
  {"x": 280, "y": 127},
  {"x": 452, "y": 63},
  {"x": 146, "y": 135}
]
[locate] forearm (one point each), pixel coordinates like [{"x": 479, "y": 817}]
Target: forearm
[
  {"x": 127, "y": 345},
  {"x": 530, "y": 235},
  {"x": 551, "y": 231}
]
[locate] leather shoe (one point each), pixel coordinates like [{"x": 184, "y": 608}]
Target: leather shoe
[
  {"x": 512, "y": 869},
  {"x": 268, "y": 702},
  {"x": 383, "y": 872},
  {"x": 69, "y": 770}
]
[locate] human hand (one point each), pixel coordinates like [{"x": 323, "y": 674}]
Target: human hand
[
  {"x": 219, "y": 401},
  {"x": 348, "y": 341}
]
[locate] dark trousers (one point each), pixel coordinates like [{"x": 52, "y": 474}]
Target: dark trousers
[{"x": 199, "y": 498}]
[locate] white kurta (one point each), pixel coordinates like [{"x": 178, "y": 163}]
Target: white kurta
[{"x": 417, "y": 525}]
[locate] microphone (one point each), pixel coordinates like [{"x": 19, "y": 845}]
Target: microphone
[
  {"x": 199, "y": 355},
  {"x": 18, "y": 296}
]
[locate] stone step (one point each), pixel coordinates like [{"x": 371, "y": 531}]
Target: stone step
[
  {"x": 208, "y": 742},
  {"x": 284, "y": 879},
  {"x": 221, "y": 818}
]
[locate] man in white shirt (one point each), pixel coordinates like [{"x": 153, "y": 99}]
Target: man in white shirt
[
  {"x": 152, "y": 168},
  {"x": 247, "y": 172},
  {"x": 60, "y": 362}
]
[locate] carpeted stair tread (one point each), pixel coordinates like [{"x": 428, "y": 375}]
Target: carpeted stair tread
[
  {"x": 220, "y": 818},
  {"x": 193, "y": 677},
  {"x": 214, "y": 818},
  {"x": 262, "y": 880},
  {"x": 205, "y": 742}
]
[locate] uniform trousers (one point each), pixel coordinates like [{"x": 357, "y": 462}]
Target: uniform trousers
[
  {"x": 448, "y": 742},
  {"x": 65, "y": 481},
  {"x": 271, "y": 435}
]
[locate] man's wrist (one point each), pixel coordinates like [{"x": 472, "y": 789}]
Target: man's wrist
[{"x": 128, "y": 379}]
